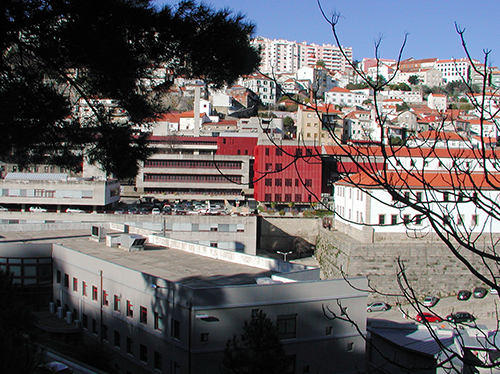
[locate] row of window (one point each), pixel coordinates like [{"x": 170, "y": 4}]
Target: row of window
[
  {"x": 186, "y": 164},
  {"x": 419, "y": 218},
  {"x": 286, "y": 198},
  {"x": 23, "y": 192},
  {"x": 192, "y": 178},
  {"x": 278, "y": 182}
]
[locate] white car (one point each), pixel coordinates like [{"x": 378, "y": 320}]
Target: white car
[
  {"x": 430, "y": 301},
  {"x": 2, "y": 209},
  {"x": 37, "y": 209},
  {"x": 156, "y": 211},
  {"x": 377, "y": 307},
  {"x": 74, "y": 210}
]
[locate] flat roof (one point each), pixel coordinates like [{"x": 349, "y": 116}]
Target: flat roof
[{"x": 171, "y": 264}]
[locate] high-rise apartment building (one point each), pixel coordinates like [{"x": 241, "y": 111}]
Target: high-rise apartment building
[{"x": 281, "y": 56}]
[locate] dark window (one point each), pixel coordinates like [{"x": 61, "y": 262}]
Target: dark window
[
  {"x": 308, "y": 183},
  {"x": 130, "y": 344},
  {"x": 418, "y": 219},
  {"x": 269, "y": 167},
  {"x": 117, "y": 339},
  {"x": 157, "y": 361},
  {"x": 66, "y": 280},
  {"x": 446, "y": 196},
  {"x": 267, "y": 151},
  {"x": 105, "y": 300},
  {"x": 288, "y": 182},
  {"x": 298, "y": 198},
  {"x": 277, "y": 197},
  {"x": 116, "y": 303},
  {"x": 130, "y": 309},
  {"x": 394, "y": 219},
  {"x": 298, "y": 152},
  {"x": 406, "y": 219},
  {"x": 75, "y": 284},
  {"x": 143, "y": 315},
  {"x": 267, "y": 197},
  {"x": 419, "y": 196},
  {"x": 84, "y": 289},
  {"x": 143, "y": 353},
  {"x": 94, "y": 293},
  {"x": 278, "y": 167},
  {"x": 104, "y": 332},
  {"x": 58, "y": 276},
  {"x": 175, "y": 329},
  {"x": 277, "y": 182},
  {"x": 381, "y": 219},
  {"x": 279, "y": 152},
  {"x": 287, "y": 326},
  {"x": 85, "y": 321},
  {"x": 296, "y": 182},
  {"x": 268, "y": 182},
  {"x": 288, "y": 197},
  {"x": 158, "y": 323},
  {"x": 204, "y": 337},
  {"x": 94, "y": 326}
]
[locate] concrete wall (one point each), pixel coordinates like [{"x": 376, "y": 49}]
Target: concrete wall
[{"x": 288, "y": 234}]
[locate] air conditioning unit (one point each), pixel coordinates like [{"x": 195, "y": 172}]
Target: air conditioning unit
[
  {"x": 59, "y": 312},
  {"x": 69, "y": 317},
  {"x": 52, "y": 307},
  {"x": 98, "y": 233}
]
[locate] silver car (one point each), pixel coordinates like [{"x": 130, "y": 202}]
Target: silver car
[{"x": 378, "y": 306}]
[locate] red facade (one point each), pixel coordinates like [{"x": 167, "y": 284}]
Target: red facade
[
  {"x": 236, "y": 145},
  {"x": 285, "y": 174}
]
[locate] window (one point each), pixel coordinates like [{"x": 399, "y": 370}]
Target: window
[
  {"x": 116, "y": 303},
  {"x": 94, "y": 293},
  {"x": 446, "y": 196},
  {"x": 269, "y": 167},
  {"x": 75, "y": 284},
  {"x": 474, "y": 220},
  {"x": 296, "y": 182},
  {"x": 277, "y": 182},
  {"x": 158, "y": 323},
  {"x": 157, "y": 361},
  {"x": 298, "y": 198},
  {"x": 288, "y": 182},
  {"x": 278, "y": 167},
  {"x": 350, "y": 347},
  {"x": 143, "y": 317},
  {"x": 279, "y": 152},
  {"x": 84, "y": 288},
  {"x": 94, "y": 326},
  {"x": 381, "y": 219},
  {"x": 287, "y": 326},
  {"x": 460, "y": 219},
  {"x": 277, "y": 197},
  {"x": 418, "y": 219},
  {"x": 130, "y": 344},
  {"x": 461, "y": 197},
  {"x": 394, "y": 219},
  {"x": 143, "y": 353},
  {"x": 104, "y": 332},
  {"x": 204, "y": 337},
  {"x": 58, "y": 276},
  {"x": 175, "y": 329},
  {"x": 105, "y": 300},
  {"x": 130, "y": 309},
  {"x": 308, "y": 183},
  {"x": 328, "y": 330},
  {"x": 85, "y": 321},
  {"x": 419, "y": 196},
  {"x": 117, "y": 339},
  {"x": 406, "y": 219},
  {"x": 267, "y": 151},
  {"x": 268, "y": 182},
  {"x": 66, "y": 280}
]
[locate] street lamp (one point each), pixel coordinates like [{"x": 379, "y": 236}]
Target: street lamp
[{"x": 284, "y": 254}]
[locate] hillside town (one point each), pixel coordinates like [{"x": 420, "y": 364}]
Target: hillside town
[{"x": 290, "y": 192}]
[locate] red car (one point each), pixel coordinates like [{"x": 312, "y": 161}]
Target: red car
[{"x": 429, "y": 317}]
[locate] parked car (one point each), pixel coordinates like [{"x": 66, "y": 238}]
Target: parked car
[
  {"x": 37, "y": 209},
  {"x": 460, "y": 317},
  {"x": 479, "y": 292},
  {"x": 118, "y": 211},
  {"x": 430, "y": 301},
  {"x": 54, "y": 368},
  {"x": 377, "y": 307},
  {"x": 74, "y": 210},
  {"x": 2, "y": 209},
  {"x": 463, "y": 295},
  {"x": 429, "y": 317},
  {"x": 493, "y": 291},
  {"x": 155, "y": 211}
]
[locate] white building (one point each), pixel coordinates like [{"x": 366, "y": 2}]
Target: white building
[
  {"x": 172, "y": 309},
  {"x": 437, "y": 101},
  {"x": 282, "y": 56},
  {"x": 58, "y": 191},
  {"x": 263, "y": 86},
  {"x": 340, "y": 96}
]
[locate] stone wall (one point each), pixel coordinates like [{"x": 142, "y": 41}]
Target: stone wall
[{"x": 430, "y": 267}]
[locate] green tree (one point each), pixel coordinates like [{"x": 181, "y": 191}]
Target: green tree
[
  {"x": 259, "y": 351},
  {"x": 58, "y": 55},
  {"x": 413, "y": 80},
  {"x": 289, "y": 125},
  {"x": 18, "y": 351},
  {"x": 321, "y": 64}
]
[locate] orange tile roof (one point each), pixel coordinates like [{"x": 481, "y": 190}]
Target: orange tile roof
[
  {"x": 340, "y": 89},
  {"x": 424, "y": 180}
]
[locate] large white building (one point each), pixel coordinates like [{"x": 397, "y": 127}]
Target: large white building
[
  {"x": 281, "y": 56},
  {"x": 171, "y": 307}
]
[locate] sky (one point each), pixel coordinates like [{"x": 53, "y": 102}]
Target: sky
[{"x": 430, "y": 25}]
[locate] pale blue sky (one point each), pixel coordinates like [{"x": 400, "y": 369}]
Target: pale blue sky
[{"x": 429, "y": 23}]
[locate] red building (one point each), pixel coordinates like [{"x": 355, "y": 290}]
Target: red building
[
  {"x": 236, "y": 144},
  {"x": 287, "y": 172}
]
